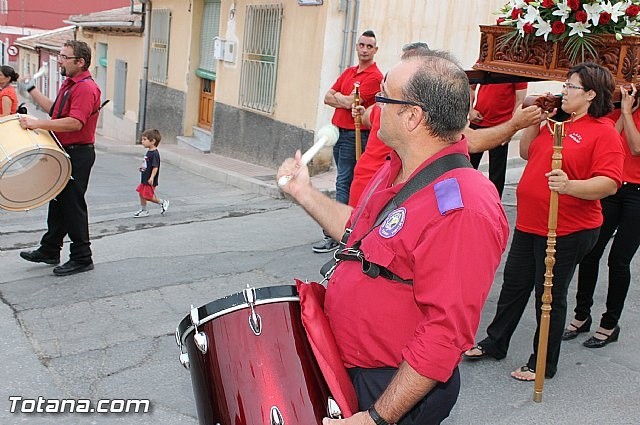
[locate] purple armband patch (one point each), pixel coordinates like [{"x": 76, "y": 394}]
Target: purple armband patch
[{"x": 448, "y": 195}]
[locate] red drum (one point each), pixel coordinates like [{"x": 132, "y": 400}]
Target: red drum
[{"x": 250, "y": 360}]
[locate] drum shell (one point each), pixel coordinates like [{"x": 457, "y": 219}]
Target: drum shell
[
  {"x": 33, "y": 166},
  {"x": 242, "y": 375}
]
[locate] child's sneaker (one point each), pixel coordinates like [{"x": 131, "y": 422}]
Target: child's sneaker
[
  {"x": 165, "y": 206},
  {"x": 141, "y": 213}
]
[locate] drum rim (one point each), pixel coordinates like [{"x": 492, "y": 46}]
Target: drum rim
[
  {"x": 283, "y": 293},
  {"x": 61, "y": 156}
]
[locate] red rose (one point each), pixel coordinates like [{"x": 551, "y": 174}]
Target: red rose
[
  {"x": 573, "y": 4},
  {"x": 516, "y": 13},
  {"x": 633, "y": 10},
  {"x": 557, "y": 27},
  {"x": 581, "y": 16},
  {"x": 547, "y": 3},
  {"x": 528, "y": 28},
  {"x": 499, "y": 20},
  {"x": 604, "y": 18}
]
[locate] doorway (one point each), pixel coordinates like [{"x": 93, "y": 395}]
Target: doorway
[{"x": 205, "y": 115}]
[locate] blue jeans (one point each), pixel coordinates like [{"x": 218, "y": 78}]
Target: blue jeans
[
  {"x": 622, "y": 212},
  {"x": 344, "y": 153}
]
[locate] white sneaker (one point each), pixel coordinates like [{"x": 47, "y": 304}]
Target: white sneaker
[
  {"x": 165, "y": 206},
  {"x": 141, "y": 213}
]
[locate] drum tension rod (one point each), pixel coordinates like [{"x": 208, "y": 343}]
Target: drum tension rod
[{"x": 255, "y": 321}]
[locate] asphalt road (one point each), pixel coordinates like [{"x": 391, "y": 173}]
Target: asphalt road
[{"x": 109, "y": 333}]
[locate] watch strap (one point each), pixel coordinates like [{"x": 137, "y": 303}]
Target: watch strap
[{"x": 379, "y": 420}]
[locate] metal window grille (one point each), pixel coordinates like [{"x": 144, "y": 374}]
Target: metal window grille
[
  {"x": 120, "y": 89},
  {"x": 159, "y": 49},
  {"x": 4, "y": 7},
  {"x": 210, "y": 30},
  {"x": 260, "y": 56}
]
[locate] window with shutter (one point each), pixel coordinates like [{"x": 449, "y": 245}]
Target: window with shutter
[
  {"x": 210, "y": 29},
  {"x": 159, "y": 49},
  {"x": 120, "y": 89}
]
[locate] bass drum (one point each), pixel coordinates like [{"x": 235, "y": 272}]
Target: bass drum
[
  {"x": 33, "y": 166},
  {"x": 250, "y": 360}
]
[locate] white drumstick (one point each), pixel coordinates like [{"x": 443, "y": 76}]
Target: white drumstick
[{"x": 327, "y": 136}]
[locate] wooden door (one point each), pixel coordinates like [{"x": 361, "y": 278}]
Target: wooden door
[{"x": 205, "y": 116}]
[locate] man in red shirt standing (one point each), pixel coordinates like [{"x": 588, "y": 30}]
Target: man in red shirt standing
[
  {"x": 340, "y": 96},
  {"x": 495, "y": 104},
  {"x": 74, "y": 116},
  {"x": 401, "y": 332}
]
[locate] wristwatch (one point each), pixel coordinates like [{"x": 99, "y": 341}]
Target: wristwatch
[{"x": 379, "y": 420}]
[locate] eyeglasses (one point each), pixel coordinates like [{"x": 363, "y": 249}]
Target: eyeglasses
[
  {"x": 567, "y": 86},
  {"x": 381, "y": 100},
  {"x": 65, "y": 57}
]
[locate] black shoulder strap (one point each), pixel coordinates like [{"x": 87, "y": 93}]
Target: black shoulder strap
[{"x": 65, "y": 96}]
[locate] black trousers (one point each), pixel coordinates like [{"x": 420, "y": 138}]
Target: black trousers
[
  {"x": 497, "y": 163},
  {"x": 68, "y": 211},
  {"x": 524, "y": 272},
  {"x": 622, "y": 213},
  {"x": 432, "y": 410}
]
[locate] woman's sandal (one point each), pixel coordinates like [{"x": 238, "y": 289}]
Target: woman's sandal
[
  {"x": 524, "y": 373},
  {"x": 475, "y": 353}
]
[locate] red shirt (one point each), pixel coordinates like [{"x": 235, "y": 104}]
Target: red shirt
[
  {"x": 631, "y": 169},
  {"x": 496, "y": 103},
  {"x": 448, "y": 238},
  {"x": 369, "y": 79},
  {"x": 591, "y": 147},
  {"x": 371, "y": 159},
  {"x": 9, "y": 92},
  {"x": 82, "y": 102}
]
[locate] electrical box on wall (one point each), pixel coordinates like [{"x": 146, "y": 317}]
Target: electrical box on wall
[
  {"x": 218, "y": 48},
  {"x": 230, "y": 48}
]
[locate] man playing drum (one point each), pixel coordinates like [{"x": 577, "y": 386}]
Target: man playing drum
[
  {"x": 401, "y": 332},
  {"x": 74, "y": 116}
]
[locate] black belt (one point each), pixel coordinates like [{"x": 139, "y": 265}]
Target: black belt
[
  {"x": 631, "y": 185},
  {"x": 372, "y": 270},
  {"x": 78, "y": 146}
]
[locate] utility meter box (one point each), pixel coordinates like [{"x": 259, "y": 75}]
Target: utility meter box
[
  {"x": 230, "y": 51},
  {"x": 218, "y": 48}
]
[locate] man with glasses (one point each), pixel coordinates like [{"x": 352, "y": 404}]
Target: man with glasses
[
  {"x": 401, "y": 332},
  {"x": 341, "y": 97},
  {"x": 74, "y": 116}
]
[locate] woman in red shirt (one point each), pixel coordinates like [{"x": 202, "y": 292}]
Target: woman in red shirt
[
  {"x": 591, "y": 169},
  {"x": 621, "y": 216},
  {"x": 8, "y": 96}
]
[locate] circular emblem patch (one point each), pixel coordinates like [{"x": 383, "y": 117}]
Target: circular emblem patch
[{"x": 393, "y": 223}]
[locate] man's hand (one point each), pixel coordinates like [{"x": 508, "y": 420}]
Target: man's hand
[
  {"x": 28, "y": 122},
  {"x": 475, "y": 116},
  {"x": 558, "y": 181},
  {"x": 360, "y": 418},
  {"x": 525, "y": 117},
  {"x": 298, "y": 172}
]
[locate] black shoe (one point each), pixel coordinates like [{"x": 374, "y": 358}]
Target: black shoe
[
  {"x": 572, "y": 333},
  {"x": 38, "y": 257},
  {"x": 72, "y": 267},
  {"x": 328, "y": 244},
  {"x": 594, "y": 342}
]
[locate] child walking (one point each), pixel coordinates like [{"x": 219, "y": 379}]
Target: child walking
[{"x": 149, "y": 172}]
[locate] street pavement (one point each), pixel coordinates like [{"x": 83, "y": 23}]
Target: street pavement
[{"x": 109, "y": 333}]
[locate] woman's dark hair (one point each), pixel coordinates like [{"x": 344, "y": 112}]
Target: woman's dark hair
[
  {"x": 8, "y": 71},
  {"x": 599, "y": 79}
]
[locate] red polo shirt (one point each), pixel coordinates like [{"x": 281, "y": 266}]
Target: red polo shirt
[
  {"x": 369, "y": 79},
  {"x": 591, "y": 147},
  {"x": 496, "y": 102},
  {"x": 449, "y": 238},
  {"x": 631, "y": 169},
  {"x": 82, "y": 102},
  {"x": 371, "y": 160}
]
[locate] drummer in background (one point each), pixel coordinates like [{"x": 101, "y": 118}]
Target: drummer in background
[
  {"x": 402, "y": 336},
  {"x": 8, "y": 96},
  {"x": 74, "y": 116}
]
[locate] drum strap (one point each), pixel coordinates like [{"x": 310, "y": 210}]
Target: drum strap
[
  {"x": 421, "y": 180},
  {"x": 64, "y": 98}
]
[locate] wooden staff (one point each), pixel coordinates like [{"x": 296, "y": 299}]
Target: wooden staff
[
  {"x": 549, "y": 261},
  {"x": 357, "y": 119}
]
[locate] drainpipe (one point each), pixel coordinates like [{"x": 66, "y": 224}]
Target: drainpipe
[
  {"x": 142, "y": 114},
  {"x": 345, "y": 37},
  {"x": 354, "y": 29}
]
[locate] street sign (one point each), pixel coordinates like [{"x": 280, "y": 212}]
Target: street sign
[{"x": 12, "y": 50}]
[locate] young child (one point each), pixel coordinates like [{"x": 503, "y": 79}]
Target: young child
[{"x": 149, "y": 171}]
